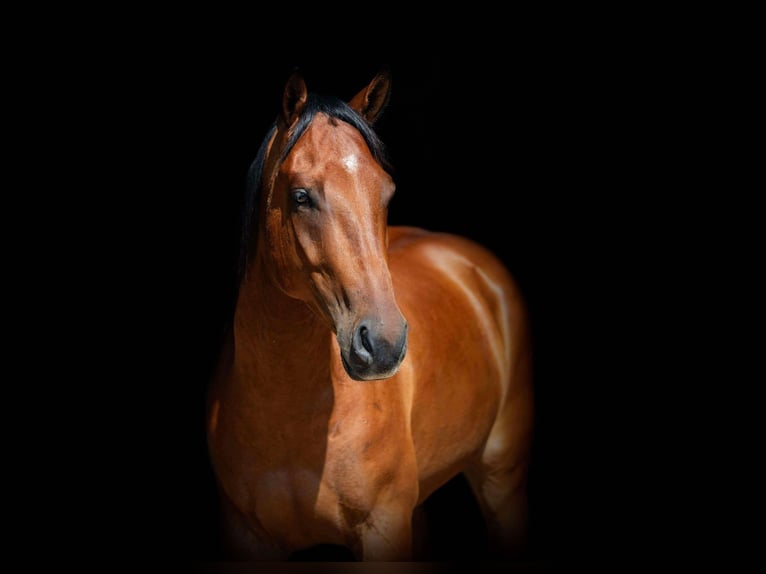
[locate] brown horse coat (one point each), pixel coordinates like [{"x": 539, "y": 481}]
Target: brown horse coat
[{"x": 367, "y": 365}]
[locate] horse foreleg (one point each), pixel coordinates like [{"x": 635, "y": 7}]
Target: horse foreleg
[
  {"x": 502, "y": 498},
  {"x": 498, "y": 479},
  {"x": 240, "y": 541},
  {"x": 386, "y": 535}
]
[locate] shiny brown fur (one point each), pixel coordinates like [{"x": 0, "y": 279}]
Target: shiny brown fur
[{"x": 308, "y": 448}]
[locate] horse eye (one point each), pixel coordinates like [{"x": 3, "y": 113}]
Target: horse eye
[{"x": 301, "y": 197}]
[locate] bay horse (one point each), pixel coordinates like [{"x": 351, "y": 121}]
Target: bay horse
[{"x": 366, "y": 364}]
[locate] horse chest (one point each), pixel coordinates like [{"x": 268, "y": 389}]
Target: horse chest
[
  {"x": 308, "y": 478},
  {"x": 306, "y": 503},
  {"x": 342, "y": 456}
]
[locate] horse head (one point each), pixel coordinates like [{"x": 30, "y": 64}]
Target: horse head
[{"x": 324, "y": 221}]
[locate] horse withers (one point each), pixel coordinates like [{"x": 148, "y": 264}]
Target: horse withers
[{"x": 367, "y": 364}]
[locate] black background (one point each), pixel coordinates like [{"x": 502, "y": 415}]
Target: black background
[
  {"x": 576, "y": 143},
  {"x": 519, "y": 149}
]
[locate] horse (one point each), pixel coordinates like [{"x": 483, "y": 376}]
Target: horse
[{"x": 366, "y": 364}]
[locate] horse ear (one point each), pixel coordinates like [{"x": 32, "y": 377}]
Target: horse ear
[
  {"x": 293, "y": 100},
  {"x": 371, "y": 101}
]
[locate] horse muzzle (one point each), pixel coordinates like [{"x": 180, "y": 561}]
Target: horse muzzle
[{"x": 374, "y": 352}]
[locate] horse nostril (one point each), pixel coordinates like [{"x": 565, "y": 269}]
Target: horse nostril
[
  {"x": 365, "y": 339},
  {"x": 362, "y": 350}
]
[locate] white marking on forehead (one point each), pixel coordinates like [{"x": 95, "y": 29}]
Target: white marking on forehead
[{"x": 350, "y": 162}]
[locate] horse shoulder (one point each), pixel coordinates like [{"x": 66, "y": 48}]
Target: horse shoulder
[
  {"x": 460, "y": 260},
  {"x": 449, "y": 282},
  {"x": 467, "y": 332}
]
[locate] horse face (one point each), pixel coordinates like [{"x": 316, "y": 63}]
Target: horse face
[{"x": 328, "y": 224}]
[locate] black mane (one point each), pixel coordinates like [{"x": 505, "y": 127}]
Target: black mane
[{"x": 315, "y": 103}]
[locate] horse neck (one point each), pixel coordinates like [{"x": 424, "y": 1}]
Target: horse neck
[{"x": 277, "y": 337}]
